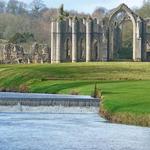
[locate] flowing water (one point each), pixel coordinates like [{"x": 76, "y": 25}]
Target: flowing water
[{"x": 60, "y": 128}]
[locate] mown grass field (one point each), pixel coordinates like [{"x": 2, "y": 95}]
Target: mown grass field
[{"x": 125, "y": 86}]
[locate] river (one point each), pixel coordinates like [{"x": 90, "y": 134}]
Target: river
[{"x": 67, "y": 130}]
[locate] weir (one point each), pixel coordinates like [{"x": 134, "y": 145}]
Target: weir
[{"x": 30, "y": 99}]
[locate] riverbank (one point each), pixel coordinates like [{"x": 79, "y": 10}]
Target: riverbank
[
  {"x": 124, "y": 85},
  {"x": 126, "y": 117}
]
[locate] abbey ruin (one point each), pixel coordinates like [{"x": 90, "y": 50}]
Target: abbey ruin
[{"x": 74, "y": 39}]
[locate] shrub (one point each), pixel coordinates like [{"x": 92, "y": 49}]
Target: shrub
[
  {"x": 21, "y": 38},
  {"x": 17, "y": 38},
  {"x": 74, "y": 92},
  {"x": 97, "y": 92},
  {"x": 28, "y": 36},
  {"x": 23, "y": 88},
  {"x": 2, "y": 89}
]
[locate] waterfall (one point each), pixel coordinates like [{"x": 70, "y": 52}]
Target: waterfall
[
  {"x": 48, "y": 109},
  {"x": 19, "y": 107}
]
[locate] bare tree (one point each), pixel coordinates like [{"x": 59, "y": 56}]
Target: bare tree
[
  {"x": 144, "y": 11},
  {"x": 99, "y": 12},
  {"x": 37, "y": 6},
  {"x": 12, "y": 6},
  {"x": 22, "y": 8},
  {"x": 2, "y": 6}
]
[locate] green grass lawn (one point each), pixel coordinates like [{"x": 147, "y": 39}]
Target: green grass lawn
[{"x": 125, "y": 86}]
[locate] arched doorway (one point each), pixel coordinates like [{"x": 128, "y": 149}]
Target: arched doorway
[
  {"x": 124, "y": 12},
  {"x": 121, "y": 37}
]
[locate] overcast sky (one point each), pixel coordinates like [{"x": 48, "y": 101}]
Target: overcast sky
[{"x": 88, "y": 6}]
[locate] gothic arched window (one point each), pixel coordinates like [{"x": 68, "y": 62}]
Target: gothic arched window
[
  {"x": 82, "y": 49},
  {"x": 95, "y": 46},
  {"x": 68, "y": 48}
]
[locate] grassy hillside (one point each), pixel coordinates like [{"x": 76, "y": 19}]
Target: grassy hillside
[{"x": 125, "y": 86}]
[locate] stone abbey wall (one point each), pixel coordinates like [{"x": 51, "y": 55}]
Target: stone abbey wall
[
  {"x": 147, "y": 36},
  {"x": 75, "y": 40},
  {"x": 16, "y": 54}
]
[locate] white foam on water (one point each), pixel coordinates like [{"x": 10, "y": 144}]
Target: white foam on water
[{"x": 48, "y": 109}]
